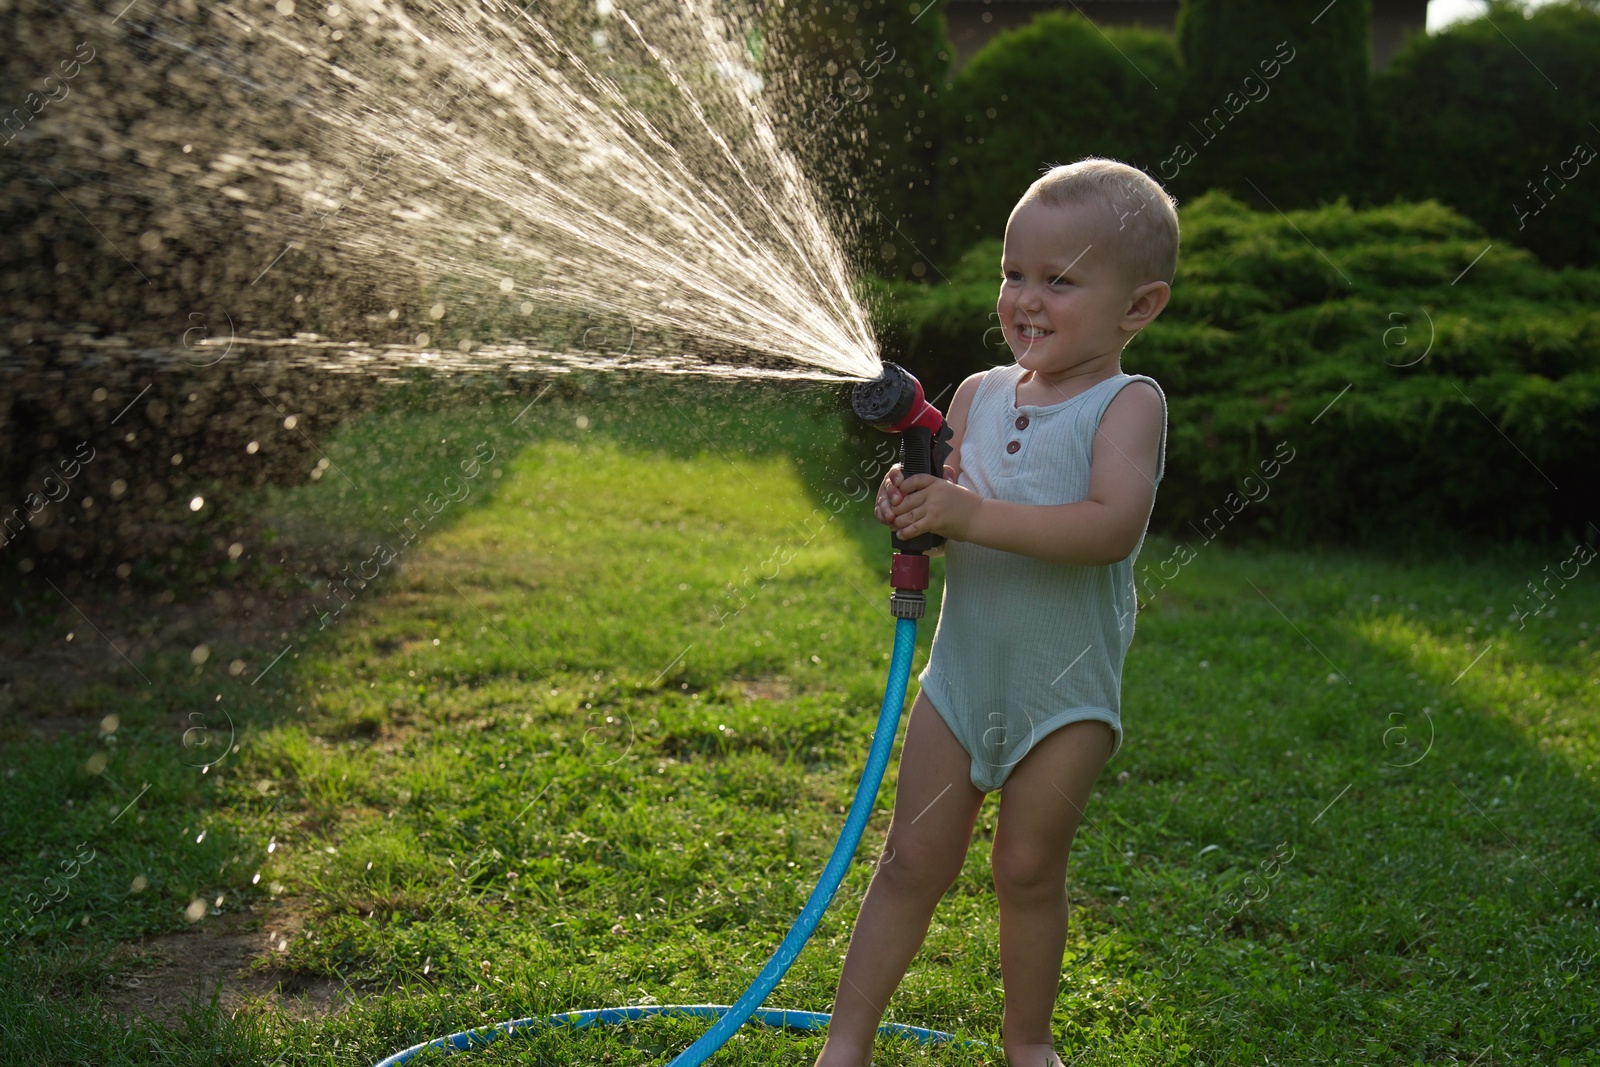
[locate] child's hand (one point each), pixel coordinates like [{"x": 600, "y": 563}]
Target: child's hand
[
  {"x": 888, "y": 496},
  {"x": 925, "y": 504}
]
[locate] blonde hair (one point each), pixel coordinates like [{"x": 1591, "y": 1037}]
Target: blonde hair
[{"x": 1146, "y": 214}]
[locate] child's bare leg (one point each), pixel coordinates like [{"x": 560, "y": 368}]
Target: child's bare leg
[
  {"x": 1041, "y": 805},
  {"x": 935, "y": 805}
]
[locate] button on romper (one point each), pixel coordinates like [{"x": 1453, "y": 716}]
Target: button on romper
[{"x": 1023, "y": 645}]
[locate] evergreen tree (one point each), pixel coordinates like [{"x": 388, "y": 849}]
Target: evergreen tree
[
  {"x": 1053, "y": 91},
  {"x": 1274, "y": 101},
  {"x": 1499, "y": 117},
  {"x": 858, "y": 89}
]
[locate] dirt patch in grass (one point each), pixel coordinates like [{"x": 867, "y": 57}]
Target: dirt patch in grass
[
  {"x": 163, "y": 975},
  {"x": 772, "y": 688},
  {"x": 52, "y": 683}
]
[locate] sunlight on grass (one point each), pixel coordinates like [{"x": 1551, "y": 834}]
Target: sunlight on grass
[{"x": 1553, "y": 703}]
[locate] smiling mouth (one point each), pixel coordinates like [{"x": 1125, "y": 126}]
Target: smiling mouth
[{"x": 1032, "y": 333}]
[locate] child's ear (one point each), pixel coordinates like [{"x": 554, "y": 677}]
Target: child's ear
[{"x": 1147, "y": 301}]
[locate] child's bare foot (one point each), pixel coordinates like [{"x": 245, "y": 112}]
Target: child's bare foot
[
  {"x": 831, "y": 1057},
  {"x": 1032, "y": 1056}
]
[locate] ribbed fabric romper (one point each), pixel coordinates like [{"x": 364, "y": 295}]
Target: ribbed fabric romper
[{"x": 1023, "y": 645}]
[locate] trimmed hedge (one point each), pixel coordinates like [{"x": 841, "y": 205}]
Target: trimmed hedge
[
  {"x": 1310, "y": 334},
  {"x": 1488, "y": 117},
  {"x": 1053, "y": 91}
]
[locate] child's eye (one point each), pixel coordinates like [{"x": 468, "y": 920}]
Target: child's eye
[{"x": 1063, "y": 280}]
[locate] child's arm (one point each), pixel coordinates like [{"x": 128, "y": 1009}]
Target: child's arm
[{"x": 1100, "y": 529}]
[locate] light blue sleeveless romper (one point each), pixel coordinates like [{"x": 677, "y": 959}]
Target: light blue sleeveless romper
[{"x": 1023, "y": 645}]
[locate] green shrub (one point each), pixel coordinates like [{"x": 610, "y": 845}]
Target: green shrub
[
  {"x": 1054, "y": 91},
  {"x": 1484, "y": 114},
  {"x": 1411, "y": 401},
  {"x": 1270, "y": 99}
]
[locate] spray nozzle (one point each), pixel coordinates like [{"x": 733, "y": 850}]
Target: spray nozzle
[{"x": 893, "y": 402}]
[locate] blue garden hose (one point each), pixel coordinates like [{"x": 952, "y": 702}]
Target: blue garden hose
[{"x": 730, "y": 1018}]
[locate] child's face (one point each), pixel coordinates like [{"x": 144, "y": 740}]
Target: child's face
[{"x": 1063, "y": 292}]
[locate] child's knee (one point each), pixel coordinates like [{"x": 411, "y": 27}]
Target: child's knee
[
  {"x": 1021, "y": 870},
  {"x": 917, "y": 866}
]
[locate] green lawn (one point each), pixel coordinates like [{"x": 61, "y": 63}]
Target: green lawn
[{"x": 589, "y": 738}]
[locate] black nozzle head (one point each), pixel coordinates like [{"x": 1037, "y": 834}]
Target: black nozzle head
[{"x": 887, "y": 399}]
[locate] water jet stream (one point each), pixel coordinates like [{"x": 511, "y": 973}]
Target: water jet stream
[{"x": 632, "y": 178}]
